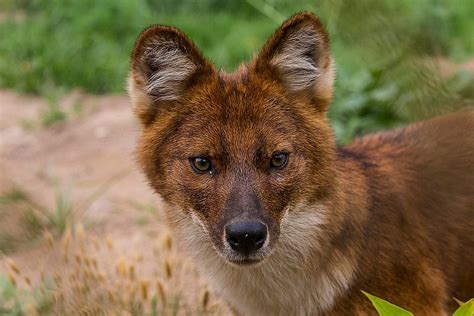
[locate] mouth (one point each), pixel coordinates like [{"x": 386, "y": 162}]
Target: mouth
[{"x": 245, "y": 261}]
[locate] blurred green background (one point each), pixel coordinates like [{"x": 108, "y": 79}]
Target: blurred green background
[{"x": 388, "y": 53}]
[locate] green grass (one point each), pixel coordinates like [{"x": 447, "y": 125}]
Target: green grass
[
  {"x": 34, "y": 219},
  {"x": 52, "y": 115},
  {"x": 16, "y": 302},
  {"x": 13, "y": 196},
  {"x": 377, "y": 44},
  {"x": 16, "y": 200}
]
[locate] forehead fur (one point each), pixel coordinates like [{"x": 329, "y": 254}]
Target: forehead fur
[{"x": 236, "y": 112}]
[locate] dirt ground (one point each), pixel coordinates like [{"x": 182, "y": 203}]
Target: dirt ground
[{"x": 86, "y": 162}]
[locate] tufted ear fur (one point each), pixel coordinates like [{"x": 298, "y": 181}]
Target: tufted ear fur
[
  {"x": 298, "y": 56},
  {"x": 164, "y": 64}
]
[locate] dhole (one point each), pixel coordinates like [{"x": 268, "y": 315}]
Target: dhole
[{"x": 278, "y": 218}]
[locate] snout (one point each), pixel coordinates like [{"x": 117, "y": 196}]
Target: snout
[{"x": 246, "y": 237}]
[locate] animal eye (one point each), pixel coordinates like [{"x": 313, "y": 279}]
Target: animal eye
[
  {"x": 279, "y": 160},
  {"x": 200, "y": 164}
]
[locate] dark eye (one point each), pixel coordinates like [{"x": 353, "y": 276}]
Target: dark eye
[
  {"x": 200, "y": 164},
  {"x": 279, "y": 160}
]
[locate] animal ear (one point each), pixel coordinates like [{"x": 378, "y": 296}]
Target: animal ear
[
  {"x": 165, "y": 63},
  {"x": 297, "y": 55}
]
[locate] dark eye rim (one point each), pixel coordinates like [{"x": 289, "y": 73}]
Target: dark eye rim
[
  {"x": 195, "y": 169},
  {"x": 285, "y": 163}
]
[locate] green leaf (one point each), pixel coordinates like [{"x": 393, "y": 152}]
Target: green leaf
[
  {"x": 385, "y": 308},
  {"x": 466, "y": 309}
]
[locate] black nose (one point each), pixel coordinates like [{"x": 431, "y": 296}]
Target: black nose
[{"x": 246, "y": 236}]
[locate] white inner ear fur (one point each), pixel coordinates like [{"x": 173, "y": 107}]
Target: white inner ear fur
[
  {"x": 171, "y": 68},
  {"x": 299, "y": 65}
]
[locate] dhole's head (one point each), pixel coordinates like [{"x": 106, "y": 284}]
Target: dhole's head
[{"x": 234, "y": 154}]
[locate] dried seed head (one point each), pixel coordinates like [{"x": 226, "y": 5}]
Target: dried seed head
[
  {"x": 160, "y": 289},
  {"x": 168, "y": 269},
  {"x": 144, "y": 289},
  {"x": 78, "y": 259},
  {"x": 109, "y": 243},
  {"x": 167, "y": 241},
  {"x": 57, "y": 279},
  {"x": 59, "y": 297},
  {"x": 48, "y": 237},
  {"x": 12, "y": 265},
  {"x": 66, "y": 240},
  {"x": 85, "y": 289},
  {"x": 205, "y": 299},
  {"x": 80, "y": 232},
  {"x": 121, "y": 267},
  {"x": 131, "y": 271},
  {"x": 131, "y": 290},
  {"x": 95, "y": 242},
  {"x": 31, "y": 309},
  {"x": 111, "y": 295},
  {"x": 28, "y": 281},
  {"x": 94, "y": 263}
]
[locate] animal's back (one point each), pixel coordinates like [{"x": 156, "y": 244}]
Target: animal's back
[{"x": 430, "y": 166}]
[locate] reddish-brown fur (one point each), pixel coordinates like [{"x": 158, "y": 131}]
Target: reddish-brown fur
[{"x": 396, "y": 208}]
